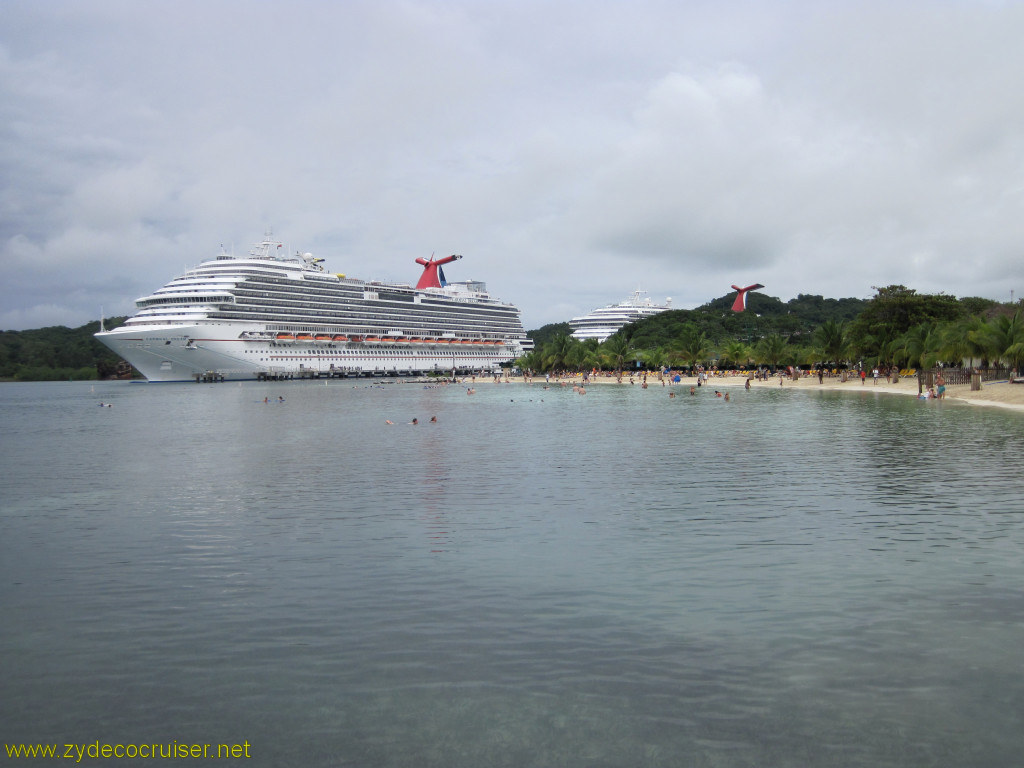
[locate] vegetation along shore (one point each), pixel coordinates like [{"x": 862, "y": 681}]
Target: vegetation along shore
[{"x": 897, "y": 329}]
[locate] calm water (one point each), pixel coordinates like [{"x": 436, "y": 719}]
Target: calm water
[{"x": 538, "y": 579}]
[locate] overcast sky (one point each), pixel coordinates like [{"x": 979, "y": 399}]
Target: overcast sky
[{"x": 570, "y": 151}]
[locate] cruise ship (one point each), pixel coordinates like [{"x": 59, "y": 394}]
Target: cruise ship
[
  {"x": 604, "y": 321},
  {"x": 273, "y": 316}
]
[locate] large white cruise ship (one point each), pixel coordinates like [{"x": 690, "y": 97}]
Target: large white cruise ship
[
  {"x": 268, "y": 316},
  {"x": 604, "y": 321}
]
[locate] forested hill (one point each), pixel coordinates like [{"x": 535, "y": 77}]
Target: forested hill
[
  {"x": 56, "y": 353},
  {"x": 764, "y": 315}
]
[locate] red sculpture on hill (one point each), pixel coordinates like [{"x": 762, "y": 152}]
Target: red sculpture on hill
[{"x": 741, "y": 298}]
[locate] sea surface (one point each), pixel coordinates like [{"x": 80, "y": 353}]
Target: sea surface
[{"x": 540, "y": 578}]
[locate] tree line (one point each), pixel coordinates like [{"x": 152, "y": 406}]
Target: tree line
[
  {"x": 898, "y": 328},
  {"x": 57, "y": 353}
]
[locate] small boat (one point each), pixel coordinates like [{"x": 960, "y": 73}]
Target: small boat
[
  {"x": 286, "y": 337},
  {"x": 323, "y": 337},
  {"x": 340, "y": 337}
]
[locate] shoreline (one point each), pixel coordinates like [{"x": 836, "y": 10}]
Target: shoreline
[{"x": 1000, "y": 394}]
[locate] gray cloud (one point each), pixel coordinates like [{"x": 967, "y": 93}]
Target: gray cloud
[{"x": 572, "y": 152}]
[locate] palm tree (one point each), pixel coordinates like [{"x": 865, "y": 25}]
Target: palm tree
[
  {"x": 1003, "y": 339},
  {"x": 656, "y": 358},
  {"x": 617, "y": 350},
  {"x": 832, "y": 341},
  {"x": 964, "y": 340},
  {"x": 583, "y": 355},
  {"x": 771, "y": 349},
  {"x": 693, "y": 345},
  {"x": 530, "y": 361},
  {"x": 737, "y": 353},
  {"x": 556, "y": 352},
  {"x": 921, "y": 345}
]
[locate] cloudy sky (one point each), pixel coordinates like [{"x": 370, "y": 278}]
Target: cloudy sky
[{"x": 571, "y": 151}]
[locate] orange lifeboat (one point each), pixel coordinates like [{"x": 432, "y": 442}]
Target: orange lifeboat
[
  {"x": 285, "y": 337},
  {"x": 340, "y": 337}
]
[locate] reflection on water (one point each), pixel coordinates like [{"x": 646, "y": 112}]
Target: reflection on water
[{"x": 539, "y": 578}]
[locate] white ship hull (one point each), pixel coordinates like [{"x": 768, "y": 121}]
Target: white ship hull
[{"x": 190, "y": 353}]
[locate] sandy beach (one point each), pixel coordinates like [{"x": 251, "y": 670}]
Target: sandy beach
[{"x": 999, "y": 394}]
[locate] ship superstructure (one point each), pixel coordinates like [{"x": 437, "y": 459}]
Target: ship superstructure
[
  {"x": 275, "y": 316},
  {"x": 604, "y": 321}
]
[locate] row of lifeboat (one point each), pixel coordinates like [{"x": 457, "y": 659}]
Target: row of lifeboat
[{"x": 371, "y": 339}]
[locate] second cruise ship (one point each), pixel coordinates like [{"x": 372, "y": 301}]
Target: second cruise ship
[{"x": 604, "y": 321}]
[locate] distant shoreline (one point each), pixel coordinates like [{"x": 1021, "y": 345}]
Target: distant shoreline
[{"x": 995, "y": 394}]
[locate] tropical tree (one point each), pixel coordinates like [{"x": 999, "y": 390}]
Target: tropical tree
[
  {"x": 964, "y": 340},
  {"x": 616, "y": 350},
  {"x": 771, "y": 350},
  {"x": 1003, "y": 339},
  {"x": 531, "y": 361},
  {"x": 893, "y": 312},
  {"x": 583, "y": 354},
  {"x": 656, "y": 358},
  {"x": 832, "y": 341},
  {"x": 556, "y": 352},
  {"x": 920, "y": 345},
  {"x": 693, "y": 344},
  {"x": 737, "y": 353}
]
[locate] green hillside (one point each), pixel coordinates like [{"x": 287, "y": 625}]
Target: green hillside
[{"x": 57, "y": 353}]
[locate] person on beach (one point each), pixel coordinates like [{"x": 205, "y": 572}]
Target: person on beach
[
  {"x": 874, "y": 375},
  {"x": 940, "y": 382},
  {"x": 863, "y": 377}
]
